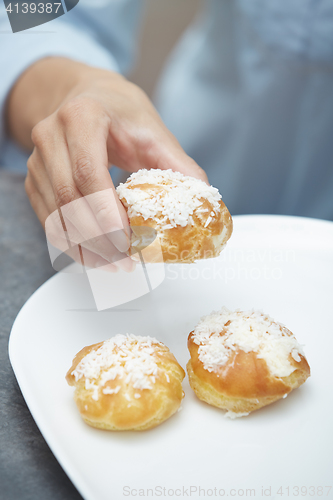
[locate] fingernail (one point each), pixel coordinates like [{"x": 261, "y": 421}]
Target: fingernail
[
  {"x": 111, "y": 268},
  {"x": 119, "y": 239},
  {"x": 105, "y": 266},
  {"x": 100, "y": 263},
  {"x": 133, "y": 266},
  {"x": 126, "y": 265}
]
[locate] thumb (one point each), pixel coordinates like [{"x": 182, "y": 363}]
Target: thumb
[{"x": 170, "y": 155}]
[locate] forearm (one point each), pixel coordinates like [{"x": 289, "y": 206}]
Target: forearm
[{"x": 41, "y": 89}]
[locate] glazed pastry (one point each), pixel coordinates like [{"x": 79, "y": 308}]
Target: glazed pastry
[
  {"x": 188, "y": 216},
  {"x": 242, "y": 361},
  {"x": 126, "y": 383}
]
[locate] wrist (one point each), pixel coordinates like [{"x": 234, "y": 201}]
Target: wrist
[{"x": 41, "y": 89}]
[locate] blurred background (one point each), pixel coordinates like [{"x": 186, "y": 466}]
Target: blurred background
[{"x": 164, "y": 23}]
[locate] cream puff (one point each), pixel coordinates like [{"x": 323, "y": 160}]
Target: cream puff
[
  {"x": 188, "y": 216},
  {"x": 242, "y": 361},
  {"x": 126, "y": 383}
]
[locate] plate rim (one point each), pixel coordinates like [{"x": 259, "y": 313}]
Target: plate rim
[{"x": 59, "y": 454}]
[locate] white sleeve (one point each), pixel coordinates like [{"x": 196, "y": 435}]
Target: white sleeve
[{"x": 101, "y": 33}]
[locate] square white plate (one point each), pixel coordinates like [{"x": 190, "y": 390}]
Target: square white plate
[{"x": 281, "y": 265}]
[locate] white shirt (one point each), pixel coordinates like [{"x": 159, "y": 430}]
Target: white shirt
[{"x": 248, "y": 92}]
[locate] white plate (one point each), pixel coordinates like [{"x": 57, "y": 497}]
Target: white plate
[{"x": 282, "y": 265}]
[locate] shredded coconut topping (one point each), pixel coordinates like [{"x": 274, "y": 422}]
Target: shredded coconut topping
[
  {"x": 222, "y": 333},
  {"x": 126, "y": 357},
  {"x": 174, "y": 204},
  {"x": 109, "y": 390},
  {"x": 232, "y": 415}
]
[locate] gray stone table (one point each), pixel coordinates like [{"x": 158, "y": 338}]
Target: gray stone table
[{"x": 28, "y": 469}]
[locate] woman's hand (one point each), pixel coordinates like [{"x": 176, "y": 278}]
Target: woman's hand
[{"x": 81, "y": 120}]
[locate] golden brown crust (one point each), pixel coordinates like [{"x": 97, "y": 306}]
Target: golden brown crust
[
  {"x": 123, "y": 410},
  {"x": 244, "y": 383},
  {"x": 181, "y": 244},
  {"x": 185, "y": 244}
]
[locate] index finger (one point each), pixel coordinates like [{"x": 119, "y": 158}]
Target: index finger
[{"x": 89, "y": 160}]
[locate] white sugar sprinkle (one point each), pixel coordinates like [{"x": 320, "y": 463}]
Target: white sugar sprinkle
[
  {"x": 126, "y": 357},
  {"x": 171, "y": 206},
  {"x": 247, "y": 331}
]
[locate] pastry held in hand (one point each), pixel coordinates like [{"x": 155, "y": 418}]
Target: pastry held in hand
[
  {"x": 126, "y": 383},
  {"x": 242, "y": 361},
  {"x": 189, "y": 217}
]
